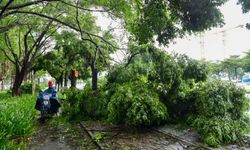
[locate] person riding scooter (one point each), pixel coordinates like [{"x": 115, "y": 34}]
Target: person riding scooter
[{"x": 53, "y": 99}]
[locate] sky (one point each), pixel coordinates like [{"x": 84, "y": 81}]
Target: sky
[
  {"x": 216, "y": 47},
  {"x": 235, "y": 41}
]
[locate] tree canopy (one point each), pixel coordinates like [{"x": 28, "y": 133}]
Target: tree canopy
[{"x": 147, "y": 21}]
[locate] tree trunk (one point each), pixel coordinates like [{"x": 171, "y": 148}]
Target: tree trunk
[
  {"x": 2, "y": 85},
  {"x": 19, "y": 77},
  {"x": 16, "y": 86},
  {"x": 33, "y": 82},
  {"x": 11, "y": 80},
  {"x": 38, "y": 81},
  {"x": 61, "y": 83},
  {"x": 229, "y": 76},
  {"x": 94, "y": 77},
  {"x": 58, "y": 86},
  {"x": 73, "y": 80},
  {"x": 66, "y": 79},
  {"x": 236, "y": 74}
]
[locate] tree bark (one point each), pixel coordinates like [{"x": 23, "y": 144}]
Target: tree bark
[
  {"x": 16, "y": 86},
  {"x": 236, "y": 74},
  {"x": 38, "y": 81},
  {"x": 73, "y": 80},
  {"x": 2, "y": 83},
  {"x": 33, "y": 82},
  {"x": 66, "y": 79},
  {"x": 94, "y": 71},
  {"x": 18, "y": 81},
  {"x": 229, "y": 76}
]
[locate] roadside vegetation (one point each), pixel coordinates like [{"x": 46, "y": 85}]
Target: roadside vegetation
[
  {"x": 17, "y": 121},
  {"x": 157, "y": 88}
]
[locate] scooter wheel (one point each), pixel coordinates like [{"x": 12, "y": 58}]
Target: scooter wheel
[{"x": 42, "y": 121}]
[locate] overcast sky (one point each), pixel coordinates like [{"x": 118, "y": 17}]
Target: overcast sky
[
  {"x": 216, "y": 47},
  {"x": 237, "y": 40}
]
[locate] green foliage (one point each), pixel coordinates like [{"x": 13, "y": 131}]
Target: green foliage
[
  {"x": 168, "y": 20},
  {"x": 134, "y": 103},
  {"x": 219, "y": 112},
  {"x": 245, "y": 8},
  {"x": 26, "y": 88},
  {"x": 173, "y": 78},
  {"x": 85, "y": 104},
  {"x": 166, "y": 73},
  {"x": 192, "y": 69},
  {"x": 245, "y": 5},
  {"x": 216, "y": 109},
  {"x": 99, "y": 136},
  {"x": 232, "y": 66},
  {"x": 216, "y": 130},
  {"x": 17, "y": 116}
]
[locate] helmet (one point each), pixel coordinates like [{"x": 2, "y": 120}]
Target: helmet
[{"x": 50, "y": 83}]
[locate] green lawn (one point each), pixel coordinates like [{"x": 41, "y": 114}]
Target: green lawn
[{"x": 17, "y": 120}]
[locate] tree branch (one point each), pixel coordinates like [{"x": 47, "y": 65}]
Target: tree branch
[
  {"x": 8, "y": 44},
  {"x": 40, "y": 45},
  {"x": 85, "y": 9},
  {"x": 61, "y": 22},
  {"x": 5, "y": 7},
  {"x": 19, "y": 44},
  {"x": 130, "y": 58},
  {"x": 5, "y": 53},
  {"x": 27, "y": 4},
  {"x": 25, "y": 41}
]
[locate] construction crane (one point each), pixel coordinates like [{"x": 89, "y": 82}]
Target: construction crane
[{"x": 224, "y": 40}]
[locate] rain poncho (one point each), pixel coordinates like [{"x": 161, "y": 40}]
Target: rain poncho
[{"x": 53, "y": 100}]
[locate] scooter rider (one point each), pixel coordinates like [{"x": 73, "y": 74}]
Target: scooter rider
[{"x": 53, "y": 99}]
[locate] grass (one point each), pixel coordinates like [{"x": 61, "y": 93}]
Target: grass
[{"x": 17, "y": 121}]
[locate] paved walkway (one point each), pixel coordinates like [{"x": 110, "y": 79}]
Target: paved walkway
[{"x": 61, "y": 137}]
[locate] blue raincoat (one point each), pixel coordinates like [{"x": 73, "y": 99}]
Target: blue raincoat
[{"x": 53, "y": 100}]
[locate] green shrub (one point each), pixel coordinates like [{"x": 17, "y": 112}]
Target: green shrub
[
  {"x": 135, "y": 104},
  {"x": 4, "y": 96},
  {"x": 85, "y": 104},
  {"x": 26, "y": 88},
  {"x": 219, "y": 112}
]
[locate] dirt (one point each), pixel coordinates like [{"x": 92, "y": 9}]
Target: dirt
[{"x": 60, "y": 137}]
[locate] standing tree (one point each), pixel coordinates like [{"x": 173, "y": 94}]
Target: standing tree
[
  {"x": 97, "y": 57},
  {"x": 232, "y": 66},
  {"x": 246, "y": 61},
  {"x": 23, "y": 46}
]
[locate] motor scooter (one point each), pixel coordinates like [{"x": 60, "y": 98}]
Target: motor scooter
[{"x": 45, "y": 107}]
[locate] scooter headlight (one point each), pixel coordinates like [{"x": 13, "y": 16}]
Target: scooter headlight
[{"x": 45, "y": 102}]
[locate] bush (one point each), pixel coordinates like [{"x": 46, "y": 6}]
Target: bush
[
  {"x": 219, "y": 112},
  {"x": 135, "y": 104},
  {"x": 85, "y": 104},
  {"x": 26, "y": 88}
]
